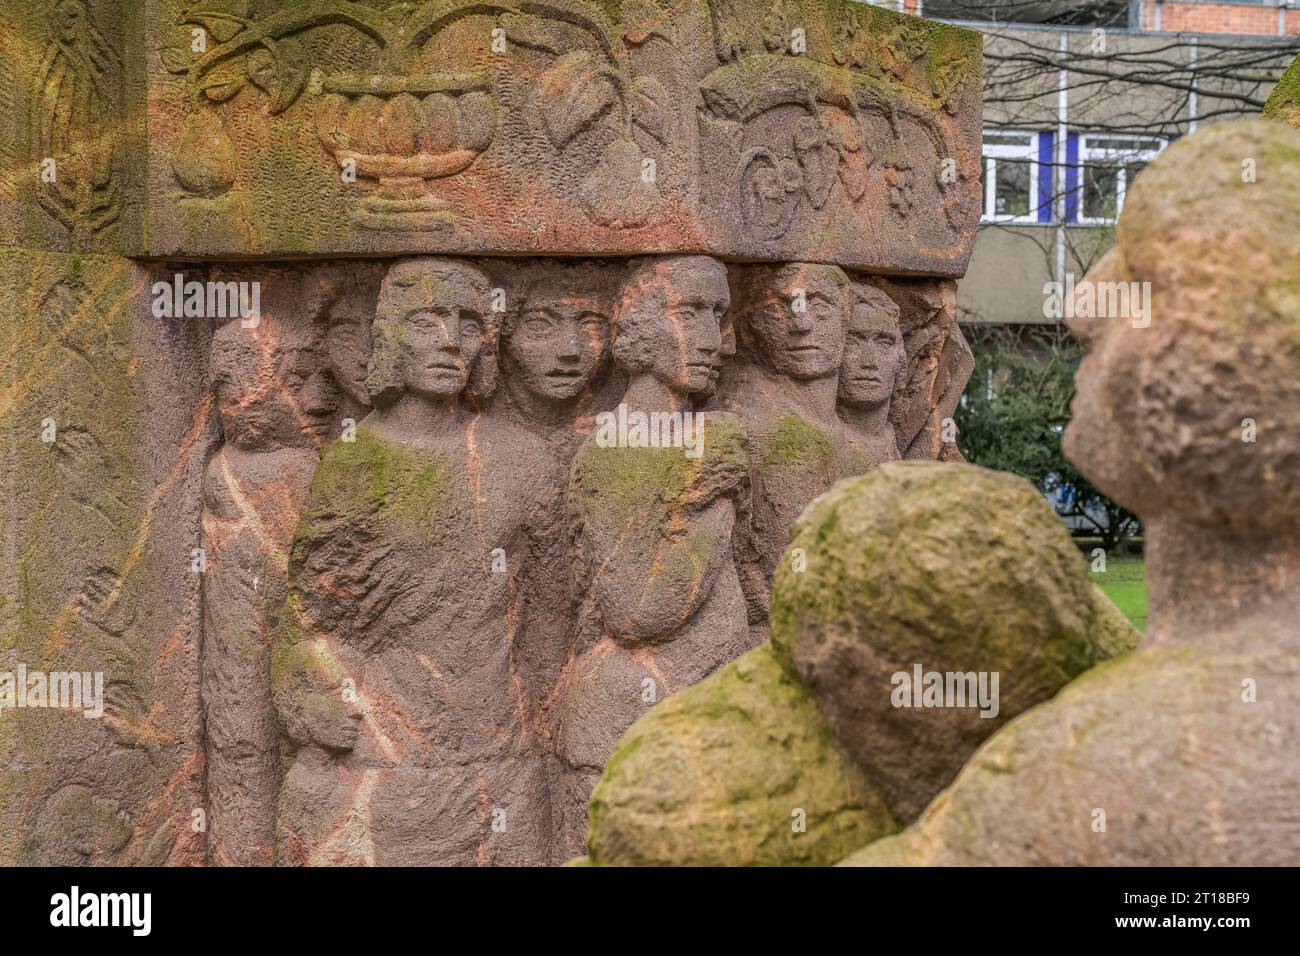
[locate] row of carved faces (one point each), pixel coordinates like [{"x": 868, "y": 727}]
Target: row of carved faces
[{"x": 444, "y": 327}]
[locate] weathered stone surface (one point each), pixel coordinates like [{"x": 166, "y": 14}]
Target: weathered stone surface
[
  {"x": 282, "y": 390},
  {"x": 718, "y": 773},
  {"x": 740, "y": 770},
  {"x": 661, "y": 604},
  {"x": 1156, "y": 741},
  {"x": 939, "y": 364},
  {"x": 816, "y": 130},
  {"x": 618, "y": 584},
  {"x": 72, "y": 125},
  {"x": 1284, "y": 102},
  {"x": 823, "y": 359},
  {"x": 1113, "y": 633},
  {"x": 950, "y": 567},
  {"x": 105, "y": 426},
  {"x": 1181, "y": 753},
  {"x": 392, "y": 587},
  {"x": 432, "y": 596}
]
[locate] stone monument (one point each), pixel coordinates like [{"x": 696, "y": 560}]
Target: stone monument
[
  {"x": 1180, "y": 753},
  {"x": 394, "y": 394},
  {"x": 807, "y": 746}
]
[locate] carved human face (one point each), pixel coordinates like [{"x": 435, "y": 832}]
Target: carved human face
[
  {"x": 727, "y": 350},
  {"x": 273, "y": 385},
  {"x": 798, "y": 323},
  {"x": 440, "y": 317},
  {"x": 873, "y": 355},
  {"x": 1099, "y": 438},
  {"x": 348, "y": 346},
  {"x": 671, "y": 321},
  {"x": 557, "y": 341}
]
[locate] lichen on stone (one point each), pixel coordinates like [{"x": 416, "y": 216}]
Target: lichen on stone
[{"x": 738, "y": 770}]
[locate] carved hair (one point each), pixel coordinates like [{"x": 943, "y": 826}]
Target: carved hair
[
  {"x": 645, "y": 293},
  {"x": 542, "y": 289},
  {"x": 453, "y": 276}
]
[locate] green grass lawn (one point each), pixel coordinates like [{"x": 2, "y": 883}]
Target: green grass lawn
[{"x": 1125, "y": 584}]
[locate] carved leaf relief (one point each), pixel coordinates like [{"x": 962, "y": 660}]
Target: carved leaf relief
[{"x": 575, "y": 92}]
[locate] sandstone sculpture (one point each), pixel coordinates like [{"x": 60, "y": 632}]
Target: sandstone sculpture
[
  {"x": 801, "y": 748},
  {"x": 393, "y": 583},
  {"x": 281, "y": 390},
  {"x": 1181, "y": 753},
  {"x": 874, "y": 369},
  {"x": 652, "y": 526},
  {"x": 1284, "y": 102},
  {"x": 271, "y": 452},
  {"x": 353, "y": 567},
  {"x": 791, "y": 324}
]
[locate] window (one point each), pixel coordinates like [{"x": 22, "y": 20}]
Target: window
[
  {"x": 1010, "y": 176},
  {"x": 1108, "y": 163}
]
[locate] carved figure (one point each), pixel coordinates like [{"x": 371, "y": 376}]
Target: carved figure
[
  {"x": 1181, "y": 753},
  {"x": 284, "y": 387},
  {"x": 791, "y": 324},
  {"x": 654, "y": 497},
  {"x": 873, "y": 371},
  {"x": 395, "y": 675}
]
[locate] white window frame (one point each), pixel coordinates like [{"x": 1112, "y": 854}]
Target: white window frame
[
  {"x": 1108, "y": 156},
  {"x": 990, "y": 154}
]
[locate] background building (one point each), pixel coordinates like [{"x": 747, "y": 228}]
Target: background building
[{"x": 1079, "y": 97}]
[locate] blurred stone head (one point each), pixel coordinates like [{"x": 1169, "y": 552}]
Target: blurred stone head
[
  {"x": 945, "y": 567},
  {"x": 793, "y": 317},
  {"x": 875, "y": 364},
  {"x": 669, "y": 320},
  {"x": 557, "y": 341},
  {"x": 273, "y": 384},
  {"x": 1194, "y": 411},
  {"x": 434, "y": 332}
]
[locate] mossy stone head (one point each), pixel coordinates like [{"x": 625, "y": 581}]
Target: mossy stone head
[{"x": 945, "y": 566}]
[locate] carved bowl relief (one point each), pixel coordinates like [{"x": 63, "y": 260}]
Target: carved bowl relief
[{"x": 402, "y": 133}]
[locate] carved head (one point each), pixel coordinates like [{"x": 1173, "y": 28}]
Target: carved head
[
  {"x": 875, "y": 364},
  {"x": 849, "y": 622},
  {"x": 727, "y": 351},
  {"x": 558, "y": 339},
  {"x": 68, "y": 18},
  {"x": 273, "y": 384},
  {"x": 1190, "y": 405},
  {"x": 435, "y": 334},
  {"x": 669, "y": 320},
  {"x": 794, "y": 318},
  {"x": 349, "y": 312}
]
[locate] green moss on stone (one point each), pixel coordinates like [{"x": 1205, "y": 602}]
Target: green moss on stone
[
  {"x": 1113, "y": 633},
  {"x": 724, "y": 772},
  {"x": 614, "y": 483},
  {"x": 408, "y": 489},
  {"x": 1284, "y": 102},
  {"x": 916, "y": 555},
  {"x": 795, "y": 442}
]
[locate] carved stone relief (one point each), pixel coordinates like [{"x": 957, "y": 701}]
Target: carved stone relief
[
  {"x": 445, "y": 617},
  {"x": 557, "y": 127},
  {"x": 393, "y": 562}
]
